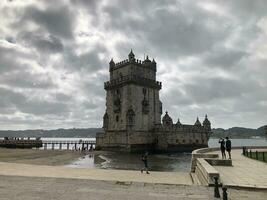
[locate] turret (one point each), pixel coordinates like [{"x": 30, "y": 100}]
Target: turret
[
  {"x": 178, "y": 123},
  {"x": 131, "y": 56},
  {"x": 111, "y": 64},
  {"x": 206, "y": 123},
  {"x": 147, "y": 60},
  {"x": 167, "y": 120},
  {"x": 197, "y": 123}
]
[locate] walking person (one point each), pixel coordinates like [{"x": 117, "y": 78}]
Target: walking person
[
  {"x": 228, "y": 146},
  {"x": 144, "y": 159},
  {"x": 222, "y": 142}
]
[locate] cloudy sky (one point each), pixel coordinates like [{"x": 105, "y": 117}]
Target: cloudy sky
[{"x": 211, "y": 56}]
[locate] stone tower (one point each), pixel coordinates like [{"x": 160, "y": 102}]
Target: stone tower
[
  {"x": 132, "y": 120},
  {"x": 132, "y": 102}
]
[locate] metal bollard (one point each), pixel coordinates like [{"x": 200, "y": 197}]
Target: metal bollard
[
  {"x": 225, "y": 195},
  {"x": 216, "y": 188},
  {"x": 257, "y": 157}
]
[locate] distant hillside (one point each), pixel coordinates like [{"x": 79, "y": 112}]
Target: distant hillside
[
  {"x": 235, "y": 132},
  {"x": 239, "y": 132},
  {"x": 75, "y": 132}
]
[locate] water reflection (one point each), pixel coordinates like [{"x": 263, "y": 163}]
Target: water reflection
[
  {"x": 156, "y": 162},
  {"x": 127, "y": 161}
]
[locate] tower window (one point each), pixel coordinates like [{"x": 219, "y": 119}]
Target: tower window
[
  {"x": 144, "y": 91},
  {"x": 117, "y": 118}
]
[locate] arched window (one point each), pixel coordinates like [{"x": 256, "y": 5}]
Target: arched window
[
  {"x": 130, "y": 117},
  {"x": 105, "y": 121}
]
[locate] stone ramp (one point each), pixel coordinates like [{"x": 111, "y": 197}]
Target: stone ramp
[{"x": 125, "y": 176}]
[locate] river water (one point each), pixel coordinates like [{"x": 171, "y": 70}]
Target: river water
[{"x": 157, "y": 162}]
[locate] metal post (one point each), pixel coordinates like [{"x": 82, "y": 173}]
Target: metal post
[
  {"x": 53, "y": 145},
  {"x": 244, "y": 150},
  {"x": 263, "y": 156},
  {"x": 75, "y": 146},
  {"x": 68, "y": 145},
  {"x": 216, "y": 188},
  {"x": 225, "y": 196},
  {"x": 60, "y": 146},
  {"x": 250, "y": 154},
  {"x": 257, "y": 157},
  {"x": 87, "y": 146},
  {"x": 82, "y": 146}
]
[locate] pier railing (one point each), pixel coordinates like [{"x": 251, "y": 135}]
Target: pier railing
[
  {"x": 255, "y": 154},
  {"x": 69, "y": 144}
]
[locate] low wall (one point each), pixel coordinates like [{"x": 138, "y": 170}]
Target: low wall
[
  {"x": 203, "y": 160},
  {"x": 202, "y": 153},
  {"x": 205, "y": 172}
]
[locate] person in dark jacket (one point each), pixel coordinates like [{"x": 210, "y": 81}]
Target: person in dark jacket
[
  {"x": 222, "y": 142},
  {"x": 144, "y": 159},
  {"x": 228, "y": 146}
]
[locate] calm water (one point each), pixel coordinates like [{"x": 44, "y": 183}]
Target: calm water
[{"x": 157, "y": 162}]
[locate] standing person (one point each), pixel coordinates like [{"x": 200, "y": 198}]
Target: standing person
[
  {"x": 228, "y": 146},
  {"x": 144, "y": 159},
  {"x": 222, "y": 142}
]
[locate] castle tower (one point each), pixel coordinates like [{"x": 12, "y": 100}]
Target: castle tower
[
  {"x": 132, "y": 101},
  {"x": 132, "y": 121}
]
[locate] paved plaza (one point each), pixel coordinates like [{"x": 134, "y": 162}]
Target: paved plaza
[{"x": 245, "y": 172}]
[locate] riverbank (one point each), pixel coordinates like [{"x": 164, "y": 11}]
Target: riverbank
[{"x": 39, "y": 157}]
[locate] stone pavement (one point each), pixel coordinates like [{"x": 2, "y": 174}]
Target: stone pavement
[
  {"x": 245, "y": 172},
  {"x": 33, "y": 188},
  {"x": 17, "y": 169}
]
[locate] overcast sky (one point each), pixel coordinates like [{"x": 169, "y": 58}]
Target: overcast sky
[{"x": 211, "y": 58}]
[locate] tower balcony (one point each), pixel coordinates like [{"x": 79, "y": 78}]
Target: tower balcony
[{"x": 132, "y": 79}]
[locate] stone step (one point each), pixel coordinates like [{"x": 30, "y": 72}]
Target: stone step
[{"x": 195, "y": 179}]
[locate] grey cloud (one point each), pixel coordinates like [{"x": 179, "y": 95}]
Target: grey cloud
[
  {"x": 88, "y": 61},
  {"x": 206, "y": 90},
  {"x": 178, "y": 33},
  {"x": 19, "y": 102},
  {"x": 174, "y": 32},
  {"x": 10, "y": 59},
  {"x": 25, "y": 79},
  {"x": 225, "y": 58},
  {"x": 58, "y": 21},
  {"x": 49, "y": 44}
]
